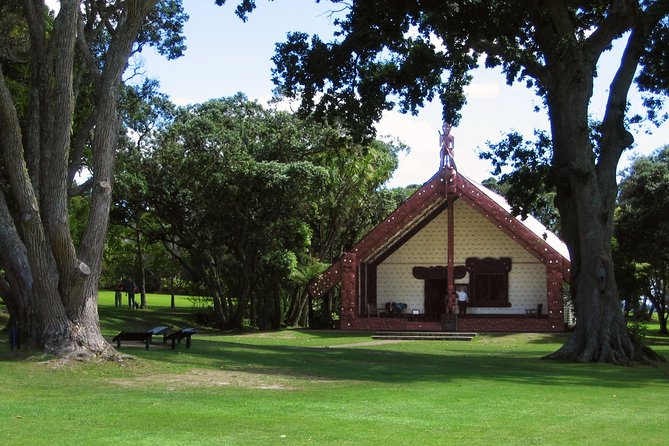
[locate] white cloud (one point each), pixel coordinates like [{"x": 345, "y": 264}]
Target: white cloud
[
  {"x": 421, "y": 134},
  {"x": 423, "y": 139}
]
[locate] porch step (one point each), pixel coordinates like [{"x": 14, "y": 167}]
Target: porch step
[{"x": 423, "y": 336}]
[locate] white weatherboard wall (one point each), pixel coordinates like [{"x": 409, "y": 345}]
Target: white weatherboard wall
[{"x": 475, "y": 236}]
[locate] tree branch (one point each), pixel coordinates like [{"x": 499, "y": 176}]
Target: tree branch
[
  {"x": 53, "y": 170},
  {"x": 79, "y": 144},
  {"x": 84, "y": 49},
  {"x": 35, "y": 128},
  {"x": 615, "y": 137},
  {"x": 106, "y": 128},
  {"x": 559, "y": 19},
  {"x": 622, "y": 15},
  {"x": 531, "y": 66}
]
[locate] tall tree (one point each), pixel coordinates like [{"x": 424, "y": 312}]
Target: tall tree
[
  {"x": 146, "y": 111},
  {"x": 248, "y": 196},
  {"x": 642, "y": 230},
  {"x": 410, "y": 51},
  {"x": 230, "y": 186},
  {"x": 67, "y": 119}
]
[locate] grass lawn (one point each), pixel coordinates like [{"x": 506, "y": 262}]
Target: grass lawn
[{"x": 300, "y": 387}]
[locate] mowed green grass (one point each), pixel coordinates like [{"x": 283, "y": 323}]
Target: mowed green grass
[{"x": 300, "y": 387}]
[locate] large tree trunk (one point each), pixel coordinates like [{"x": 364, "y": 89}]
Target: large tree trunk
[
  {"x": 53, "y": 284},
  {"x": 142, "y": 268},
  {"x": 586, "y": 191},
  {"x": 16, "y": 290},
  {"x": 586, "y": 178}
]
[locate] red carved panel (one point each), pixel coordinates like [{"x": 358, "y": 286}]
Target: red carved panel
[
  {"x": 349, "y": 288},
  {"x": 325, "y": 281},
  {"x": 430, "y": 195}
]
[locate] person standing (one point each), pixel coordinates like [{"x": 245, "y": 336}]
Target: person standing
[
  {"x": 463, "y": 299},
  {"x": 118, "y": 295},
  {"x": 130, "y": 288}
]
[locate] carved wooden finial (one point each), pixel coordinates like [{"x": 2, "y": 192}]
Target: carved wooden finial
[{"x": 447, "y": 144}]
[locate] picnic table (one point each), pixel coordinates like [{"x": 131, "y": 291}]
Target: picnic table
[
  {"x": 178, "y": 335},
  {"x": 145, "y": 336}
]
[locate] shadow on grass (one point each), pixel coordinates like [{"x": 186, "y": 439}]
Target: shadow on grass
[
  {"x": 499, "y": 358},
  {"x": 657, "y": 339},
  {"x": 115, "y": 320},
  {"x": 388, "y": 365}
]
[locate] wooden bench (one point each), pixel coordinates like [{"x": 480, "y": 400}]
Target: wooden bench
[
  {"x": 178, "y": 335},
  {"x": 141, "y": 336},
  {"x": 534, "y": 312}
]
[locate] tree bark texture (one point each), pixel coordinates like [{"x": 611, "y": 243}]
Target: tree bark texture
[
  {"x": 54, "y": 283},
  {"x": 585, "y": 177},
  {"x": 142, "y": 269},
  {"x": 586, "y": 191}
]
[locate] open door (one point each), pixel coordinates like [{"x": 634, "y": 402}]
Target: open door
[{"x": 435, "y": 298}]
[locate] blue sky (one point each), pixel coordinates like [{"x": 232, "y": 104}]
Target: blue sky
[{"x": 226, "y": 55}]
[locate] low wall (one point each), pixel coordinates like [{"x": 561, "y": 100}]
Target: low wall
[{"x": 468, "y": 324}]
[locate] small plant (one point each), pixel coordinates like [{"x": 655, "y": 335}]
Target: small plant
[
  {"x": 204, "y": 317},
  {"x": 200, "y": 301},
  {"x": 637, "y": 331}
]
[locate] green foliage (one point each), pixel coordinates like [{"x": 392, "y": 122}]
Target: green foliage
[
  {"x": 228, "y": 186},
  {"x": 523, "y": 170},
  {"x": 642, "y": 230},
  {"x": 14, "y": 54},
  {"x": 352, "y": 201},
  {"x": 163, "y": 28},
  {"x": 145, "y": 111},
  {"x": 78, "y": 217},
  {"x": 654, "y": 73},
  {"x": 128, "y": 251},
  {"x": 637, "y": 332},
  {"x": 119, "y": 257},
  {"x": 249, "y": 201},
  {"x": 389, "y": 54}
]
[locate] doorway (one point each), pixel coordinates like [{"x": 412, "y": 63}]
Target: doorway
[{"x": 435, "y": 298}]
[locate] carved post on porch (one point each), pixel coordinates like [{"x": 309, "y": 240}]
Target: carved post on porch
[
  {"x": 555, "y": 306},
  {"x": 450, "y": 299},
  {"x": 349, "y": 289},
  {"x": 447, "y": 143}
]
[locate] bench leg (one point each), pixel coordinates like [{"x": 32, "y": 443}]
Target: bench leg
[{"x": 187, "y": 341}]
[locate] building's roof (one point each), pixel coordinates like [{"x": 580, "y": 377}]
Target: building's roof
[{"x": 530, "y": 222}]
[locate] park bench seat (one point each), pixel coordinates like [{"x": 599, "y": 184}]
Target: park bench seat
[
  {"x": 158, "y": 330},
  {"x": 178, "y": 335},
  {"x": 145, "y": 336}
]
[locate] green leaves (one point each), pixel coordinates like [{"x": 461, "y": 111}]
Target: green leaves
[
  {"x": 642, "y": 232},
  {"x": 523, "y": 170},
  {"x": 252, "y": 198}
]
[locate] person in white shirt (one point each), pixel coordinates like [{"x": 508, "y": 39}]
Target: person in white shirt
[{"x": 462, "y": 300}]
